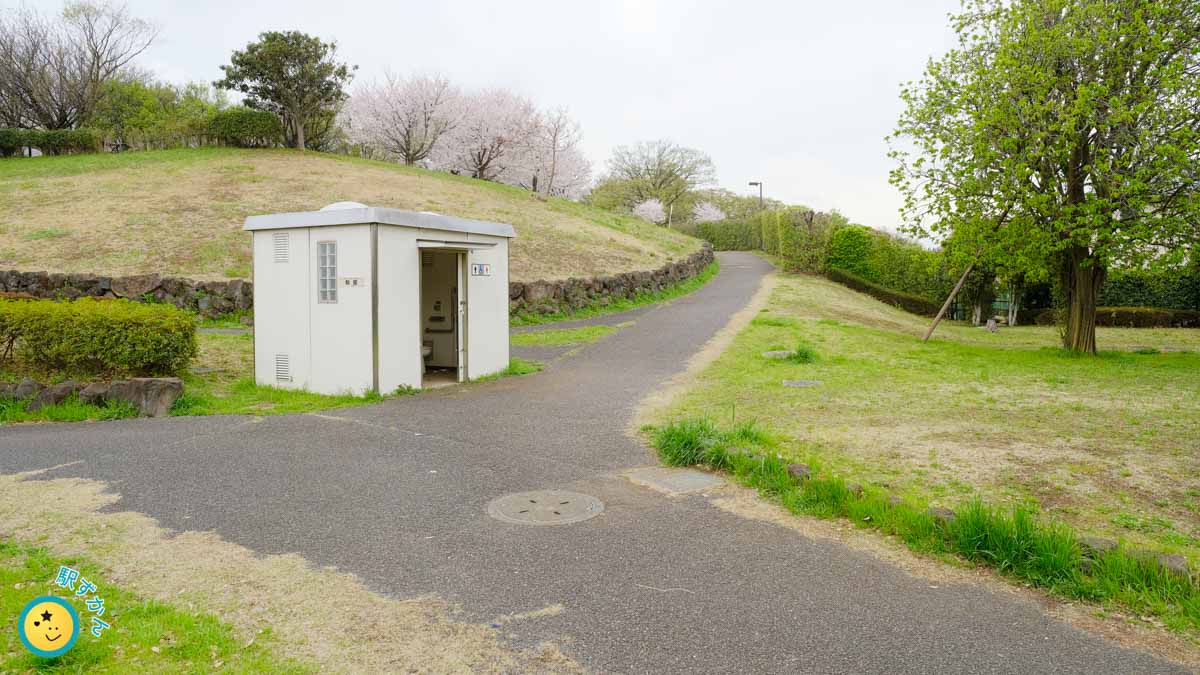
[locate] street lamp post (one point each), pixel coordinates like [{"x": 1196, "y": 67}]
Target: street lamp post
[{"x": 760, "y": 197}]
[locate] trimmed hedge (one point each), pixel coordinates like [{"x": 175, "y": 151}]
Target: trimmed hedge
[
  {"x": 1135, "y": 317},
  {"x": 909, "y": 303},
  {"x": 731, "y": 235},
  {"x": 109, "y": 338},
  {"x": 49, "y": 141},
  {"x": 246, "y": 128},
  {"x": 1168, "y": 289}
]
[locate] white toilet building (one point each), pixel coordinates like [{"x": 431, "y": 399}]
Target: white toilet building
[{"x": 352, "y": 298}]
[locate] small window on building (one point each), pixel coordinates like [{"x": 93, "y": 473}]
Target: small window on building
[{"x": 327, "y": 274}]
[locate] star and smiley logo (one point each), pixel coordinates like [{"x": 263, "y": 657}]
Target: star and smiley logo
[{"x": 48, "y": 626}]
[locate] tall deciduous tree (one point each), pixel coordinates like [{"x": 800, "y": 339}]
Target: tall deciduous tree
[
  {"x": 490, "y": 137},
  {"x": 54, "y": 70},
  {"x": 1060, "y": 135},
  {"x": 404, "y": 117},
  {"x": 293, "y": 75},
  {"x": 661, "y": 170}
]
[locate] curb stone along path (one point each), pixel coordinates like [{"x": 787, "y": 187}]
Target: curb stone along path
[{"x": 215, "y": 298}]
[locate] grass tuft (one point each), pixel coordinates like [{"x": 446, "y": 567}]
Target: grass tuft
[
  {"x": 516, "y": 367},
  {"x": 71, "y": 410},
  {"x": 803, "y": 353},
  {"x": 1017, "y": 542}
]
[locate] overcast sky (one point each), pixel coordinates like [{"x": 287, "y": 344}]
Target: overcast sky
[{"x": 797, "y": 94}]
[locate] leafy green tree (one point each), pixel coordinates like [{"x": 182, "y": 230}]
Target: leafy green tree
[
  {"x": 664, "y": 171},
  {"x": 136, "y": 113},
  {"x": 293, "y": 75},
  {"x": 1060, "y": 136}
]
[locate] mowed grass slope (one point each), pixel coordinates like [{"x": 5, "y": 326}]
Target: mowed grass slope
[
  {"x": 1107, "y": 444},
  {"x": 180, "y": 212}
]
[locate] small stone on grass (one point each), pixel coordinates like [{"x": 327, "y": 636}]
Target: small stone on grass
[{"x": 778, "y": 354}]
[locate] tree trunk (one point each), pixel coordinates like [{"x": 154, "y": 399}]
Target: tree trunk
[
  {"x": 1014, "y": 306},
  {"x": 1081, "y": 278},
  {"x": 299, "y": 134}
]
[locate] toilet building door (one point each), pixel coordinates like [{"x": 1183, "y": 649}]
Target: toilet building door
[{"x": 461, "y": 335}]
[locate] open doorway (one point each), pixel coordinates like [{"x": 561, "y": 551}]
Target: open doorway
[{"x": 443, "y": 353}]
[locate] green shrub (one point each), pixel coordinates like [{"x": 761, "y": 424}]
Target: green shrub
[
  {"x": 49, "y": 141},
  {"x": 905, "y": 301},
  {"x": 1134, "y": 317},
  {"x": 109, "y": 338},
  {"x": 849, "y": 249},
  {"x": 246, "y": 128},
  {"x": 12, "y": 141}
]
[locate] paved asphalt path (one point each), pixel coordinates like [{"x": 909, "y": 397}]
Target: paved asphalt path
[{"x": 396, "y": 493}]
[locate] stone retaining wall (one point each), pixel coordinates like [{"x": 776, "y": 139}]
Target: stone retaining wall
[
  {"x": 215, "y": 298},
  {"x": 209, "y": 298},
  {"x": 547, "y": 297}
]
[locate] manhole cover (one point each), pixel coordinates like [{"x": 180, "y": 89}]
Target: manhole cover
[
  {"x": 802, "y": 383},
  {"x": 545, "y": 507}
]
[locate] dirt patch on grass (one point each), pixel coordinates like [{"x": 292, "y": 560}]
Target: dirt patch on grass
[
  {"x": 320, "y": 615},
  {"x": 1128, "y": 631}
]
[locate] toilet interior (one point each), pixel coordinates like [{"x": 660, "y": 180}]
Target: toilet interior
[{"x": 439, "y": 317}]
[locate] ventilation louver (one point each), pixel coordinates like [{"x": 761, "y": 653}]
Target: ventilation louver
[
  {"x": 282, "y": 247},
  {"x": 283, "y": 368},
  {"x": 426, "y": 259}
]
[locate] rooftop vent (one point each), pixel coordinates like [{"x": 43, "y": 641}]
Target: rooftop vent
[{"x": 338, "y": 206}]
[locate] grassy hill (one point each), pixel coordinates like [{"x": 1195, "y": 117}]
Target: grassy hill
[{"x": 180, "y": 212}]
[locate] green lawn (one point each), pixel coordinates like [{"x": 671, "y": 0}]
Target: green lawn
[
  {"x": 562, "y": 336},
  {"x": 1107, "y": 444},
  {"x": 144, "y": 635}
]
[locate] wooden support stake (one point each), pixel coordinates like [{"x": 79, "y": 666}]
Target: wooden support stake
[{"x": 946, "y": 305}]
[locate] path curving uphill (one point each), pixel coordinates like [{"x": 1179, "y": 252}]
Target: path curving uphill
[{"x": 398, "y": 493}]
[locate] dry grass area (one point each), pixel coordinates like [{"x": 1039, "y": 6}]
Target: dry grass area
[
  {"x": 320, "y": 616},
  {"x": 1108, "y": 444},
  {"x": 180, "y": 212}
]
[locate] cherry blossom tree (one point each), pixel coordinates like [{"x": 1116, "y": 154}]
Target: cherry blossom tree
[
  {"x": 402, "y": 118},
  {"x": 491, "y": 138},
  {"x": 550, "y": 162},
  {"x": 651, "y": 210},
  {"x": 707, "y": 212}
]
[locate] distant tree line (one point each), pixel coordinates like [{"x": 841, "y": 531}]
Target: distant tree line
[{"x": 74, "y": 71}]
